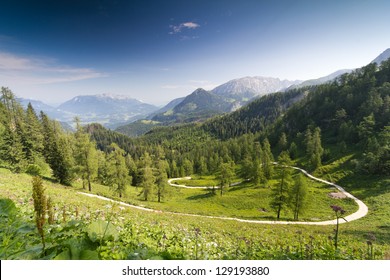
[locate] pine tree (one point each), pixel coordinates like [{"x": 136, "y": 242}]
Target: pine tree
[
  {"x": 202, "y": 169},
  {"x": 85, "y": 155},
  {"x": 246, "y": 171},
  {"x": 256, "y": 172},
  {"x": 281, "y": 191},
  {"x": 33, "y": 129},
  {"x": 226, "y": 175},
  {"x": 282, "y": 144},
  {"x": 147, "y": 176},
  {"x": 57, "y": 150},
  {"x": 174, "y": 170},
  {"x": 117, "y": 170},
  {"x": 298, "y": 196},
  {"x": 13, "y": 134},
  {"x": 161, "y": 179},
  {"x": 147, "y": 182},
  {"x": 309, "y": 142},
  {"x": 314, "y": 148},
  {"x": 316, "y": 155},
  {"x": 267, "y": 160},
  {"x": 188, "y": 167},
  {"x": 132, "y": 167}
]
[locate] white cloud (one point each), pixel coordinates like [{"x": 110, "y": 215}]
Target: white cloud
[
  {"x": 29, "y": 70},
  {"x": 182, "y": 26},
  {"x": 190, "y": 25}
]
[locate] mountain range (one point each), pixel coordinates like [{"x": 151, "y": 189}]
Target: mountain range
[
  {"x": 249, "y": 87},
  {"x": 107, "y": 109},
  {"x": 115, "y": 111}
]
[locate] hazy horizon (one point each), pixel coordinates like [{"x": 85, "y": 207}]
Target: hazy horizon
[{"x": 156, "y": 51}]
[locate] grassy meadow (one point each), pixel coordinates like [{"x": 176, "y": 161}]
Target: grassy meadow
[{"x": 90, "y": 228}]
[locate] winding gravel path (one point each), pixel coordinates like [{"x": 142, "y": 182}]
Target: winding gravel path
[{"x": 361, "y": 212}]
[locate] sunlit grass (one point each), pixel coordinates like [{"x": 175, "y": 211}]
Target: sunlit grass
[{"x": 218, "y": 239}]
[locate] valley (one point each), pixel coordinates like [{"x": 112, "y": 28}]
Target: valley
[{"x": 67, "y": 194}]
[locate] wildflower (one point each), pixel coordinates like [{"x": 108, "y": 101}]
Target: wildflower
[
  {"x": 337, "y": 209},
  {"x": 339, "y": 212}
]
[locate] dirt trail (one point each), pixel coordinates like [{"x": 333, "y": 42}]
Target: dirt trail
[{"x": 361, "y": 212}]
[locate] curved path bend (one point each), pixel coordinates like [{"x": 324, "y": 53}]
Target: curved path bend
[{"x": 361, "y": 212}]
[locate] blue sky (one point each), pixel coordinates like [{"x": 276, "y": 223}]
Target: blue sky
[{"x": 159, "y": 50}]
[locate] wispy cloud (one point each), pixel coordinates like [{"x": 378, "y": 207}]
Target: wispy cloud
[
  {"x": 29, "y": 70},
  {"x": 183, "y": 26}
]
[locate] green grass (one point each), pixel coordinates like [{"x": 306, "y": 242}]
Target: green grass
[
  {"x": 147, "y": 235},
  {"x": 242, "y": 201}
]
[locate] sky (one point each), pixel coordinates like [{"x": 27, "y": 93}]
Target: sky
[{"x": 156, "y": 51}]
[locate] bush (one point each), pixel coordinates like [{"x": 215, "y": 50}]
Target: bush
[{"x": 33, "y": 170}]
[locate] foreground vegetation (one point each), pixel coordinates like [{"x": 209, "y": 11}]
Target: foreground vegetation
[{"x": 89, "y": 228}]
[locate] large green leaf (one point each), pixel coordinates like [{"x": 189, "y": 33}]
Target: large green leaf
[
  {"x": 7, "y": 207},
  {"x": 77, "y": 249},
  {"x": 64, "y": 255},
  {"x": 102, "y": 230},
  {"x": 89, "y": 255}
]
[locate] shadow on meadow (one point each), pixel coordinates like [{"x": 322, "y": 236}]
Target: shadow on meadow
[{"x": 207, "y": 194}]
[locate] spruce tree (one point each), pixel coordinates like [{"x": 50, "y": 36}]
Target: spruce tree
[
  {"x": 34, "y": 141},
  {"x": 85, "y": 155},
  {"x": 317, "y": 152},
  {"x": 226, "y": 175},
  {"x": 57, "y": 150},
  {"x": 13, "y": 149},
  {"x": 298, "y": 196},
  {"x": 147, "y": 177},
  {"x": 267, "y": 160},
  {"x": 280, "y": 192},
  {"x": 118, "y": 172},
  {"x": 161, "y": 179}
]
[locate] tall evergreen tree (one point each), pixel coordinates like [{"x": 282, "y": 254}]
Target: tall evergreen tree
[
  {"x": 280, "y": 192},
  {"x": 13, "y": 134},
  {"x": 147, "y": 177},
  {"x": 118, "y": 173},
  {"x": 226, "y": 175},
  {"x": 57, "y": 150},
  {"x": 282, "y": 144},
  {"x": 298, "y": 196},
  {"x": 33, "y": 129},
  {"x": 161, "y": 179},
  {"x": 316, "y": 155},
  {"x": 267, "y": 160},
  {"x": 85, "y": 155},
  {"x": 256, "y": 168}
]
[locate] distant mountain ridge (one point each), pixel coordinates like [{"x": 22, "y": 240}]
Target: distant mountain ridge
[
  {"x": 107, "y": 109},
  {"x": 172, "y": 104},
  {"x": 228, "y": 97},
  {"x": 322, "y": 80},
  {"x": 246, "y": 88},
  {"x": 197, "y": 106},
  {"x": 106, "y": 104},
  {"x": 382, "y": 57}
]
